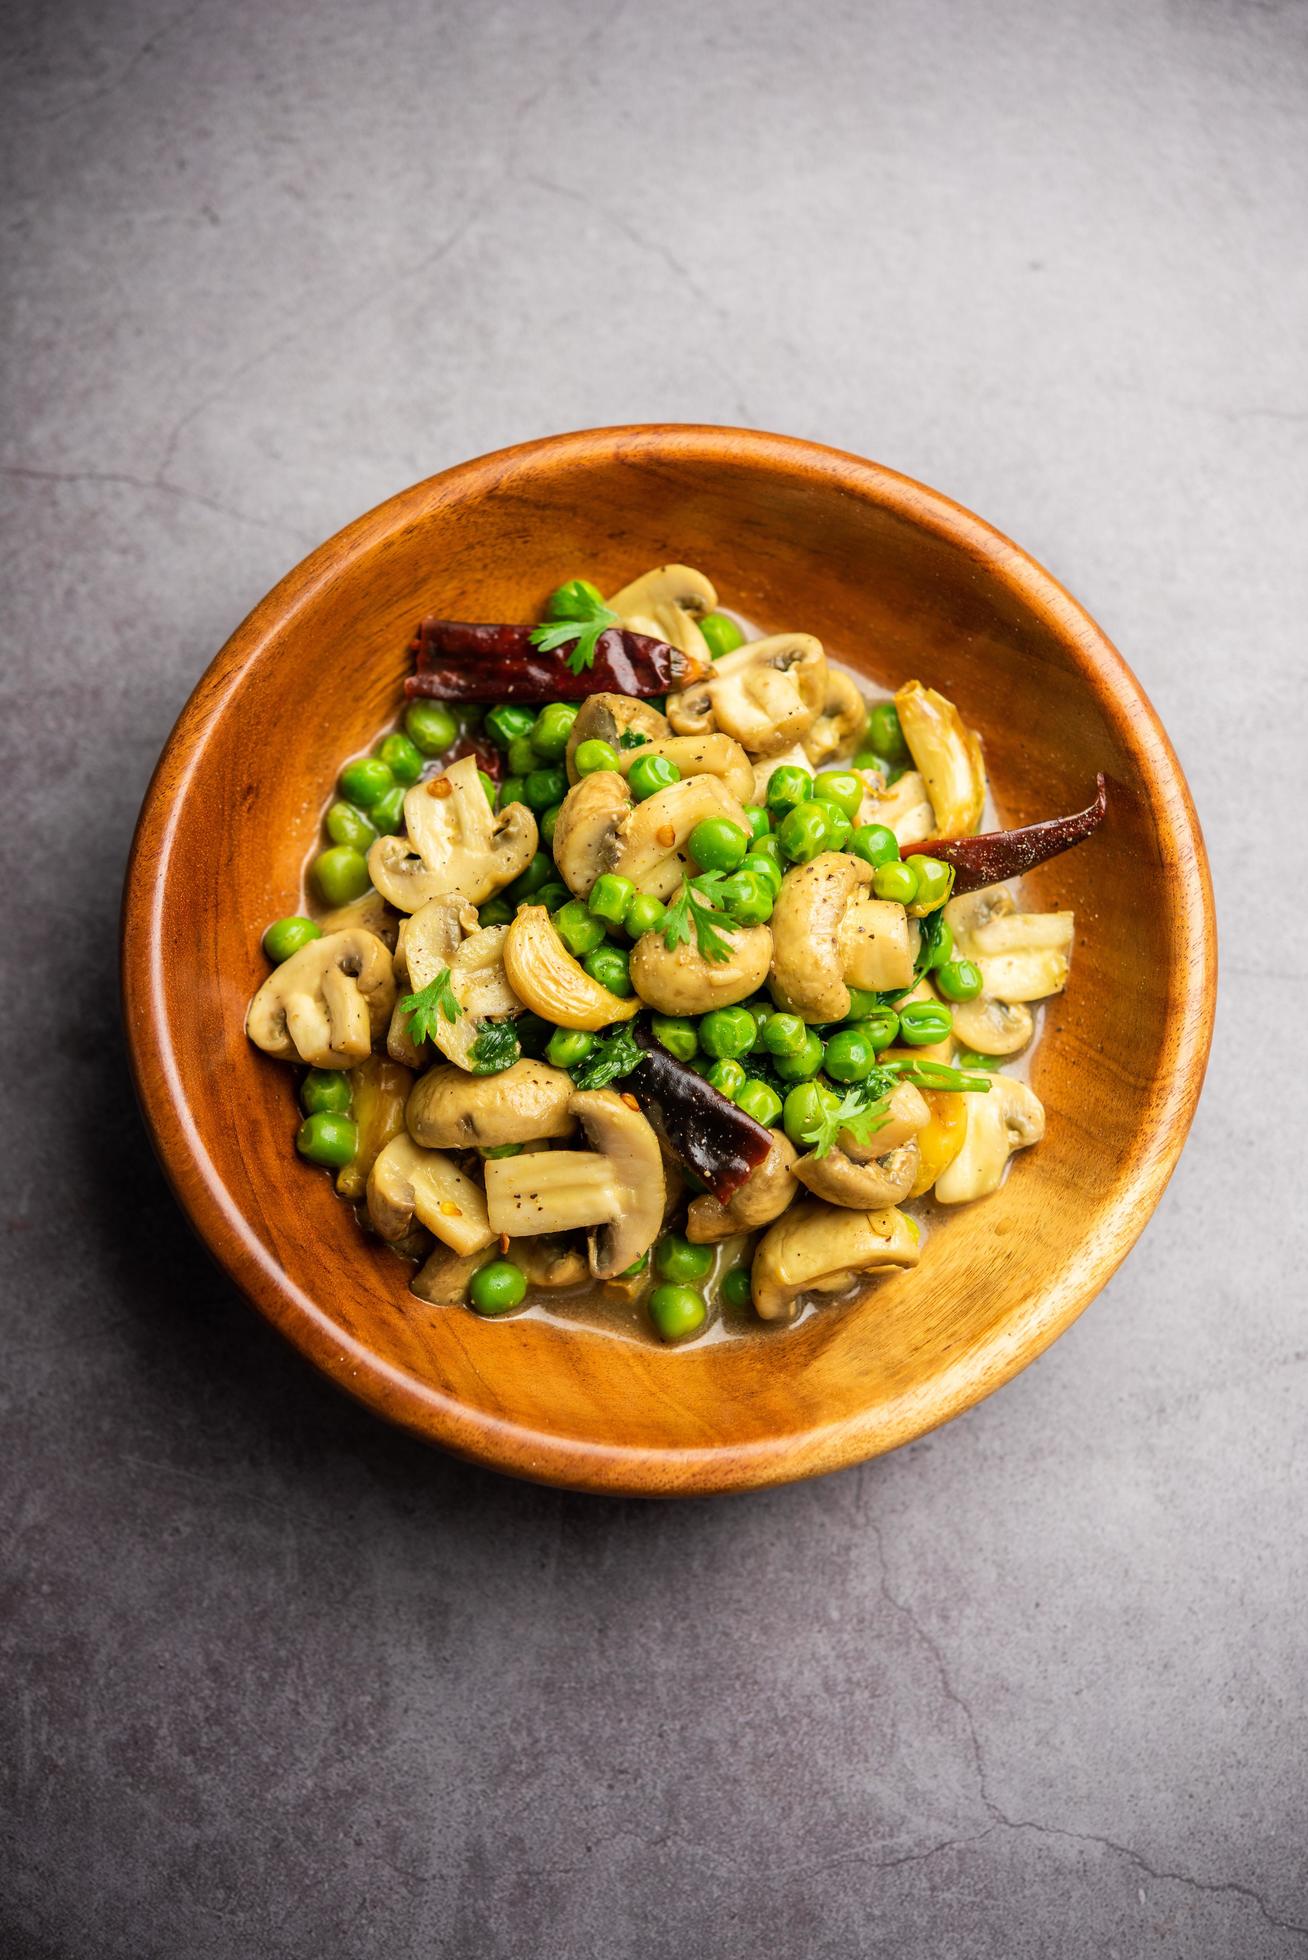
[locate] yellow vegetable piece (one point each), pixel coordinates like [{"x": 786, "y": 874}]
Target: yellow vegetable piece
[
  {"x": 948, "y": 756},
  {"x": 546, "y": 978},
  {"x": 942, "y": 1139}
]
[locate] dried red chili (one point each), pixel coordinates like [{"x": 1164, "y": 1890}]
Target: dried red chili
[
  {"x": 1000, "y": 854},
  {"x": 457, "y": 662}
]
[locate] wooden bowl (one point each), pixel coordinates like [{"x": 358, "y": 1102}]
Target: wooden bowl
[{"x": 896, "y": 580}]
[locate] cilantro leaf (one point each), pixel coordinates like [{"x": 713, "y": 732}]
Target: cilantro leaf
[
  {"x": 631, "y": 738},
  {"x": 431, "y": 1005},
  {"x": 616, "y": 1054},
  {"x": 495, "y": 1048},
  {"x": 689, "y": 909},
  {"x": 575, "y": 615},
  {"x": 857, "y": 1111}
]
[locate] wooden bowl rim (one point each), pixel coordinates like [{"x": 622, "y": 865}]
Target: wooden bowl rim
[{"x": 586, "y": 1463}]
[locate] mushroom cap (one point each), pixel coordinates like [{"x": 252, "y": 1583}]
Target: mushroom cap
[
  {"x": 819, "y": 1248},
  {"x": 426, "y": 943},
  {"x": 993, "y": 1027},
  {"x": 449, "y": 1109},
  {"x": 948, "y": 755},
  {"x": 881, "y": 1181},
  {"x": 455, "y": 842},
  {"x": 679, "y": 980},
  {"x": 1023, "y": 956},
  {"x": 326, "y": 1004},
  {"x": 406, "y": 1182},
  {"x": 607, "y": 718},
  {"x": 1009, "y": 1118},
  {"x": 479, "y": 982},
  {"x": 545, "y": 977},
  {"x": 667, "y": 603},
  {"x": 767, "y": 694},
  {"x": 588, "y": 831},
  {"x": 700, "y": 755},
  {"x": 807, "y": 977},
  {"x": 626, "y": 1140},
  {"x": 656, "y": 833},
  {"x": 370, "y": 913},
  {"x": 841, "y": 720},
  {"x": 967, "y": 912},
  {"x": 762, "y": 1197},
  {"x": 877, "y": 942}
]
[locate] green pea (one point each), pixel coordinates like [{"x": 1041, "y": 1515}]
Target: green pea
[
  {"x": 543, "y": 787},
  {"x": 388, "y": 811},
  {"x": 497, "y": 1288},
  {"x": 924, "y": 1022},
  {"x": 767, "y": 847},
  {"x": 552, "y": 728},
  {"x": 520, "y": 758},
  {"x": 760, "y": 823},
  {"x": 580, "y": 931},
  {"x": 783, "y": 1034},
  {"x": 804, "y": 1108},
  {"x": 649, "y": 774},
  {"x": 538, "y": 873},
  {"x": 722, "y": 634},
  {"x": 807, "y": 831},
  {"x": 735, "y": 1289},
  {"x": 880, "y": 1025},
  {"x": 594, "y": 755},
  {"x": 548, "y": 821},
  {"x": 884, "y": 733},
  {"x": 325, "y": 1138},
  {"x": 728, "y": 1032},
  {"x": 717, "y": 844},
  {"x": 346, "y": 825},
  {"x": 839, "y": 828},
  {"x": 804, "y": 1063},
  {"x": 510, "y": 791},
  {"x": 875, "y": 844},
  {"x": 553, "y": 896},
  {"x": 861, "y": 1004},
  {"x": 506, "y": 720},
  {"x": 935, "y": 881},
  {"x": 727, "y": 1077},
  {"x": 286, "y": 936},
  {"x": 574, "y": 600},
  {"x": 765, "y": 868},
  {"x": 788, "y": 787},
  {"x": 940, "y": 949},
  {"x": 841, "y": 787},
  {"x": 850, "y": 1056},
  {"x": 747, "y": 897},
  {"x": 608, "y": 965},
  {"x": 341, "y": 874},
  {"x": 430, "y": 726},
  {"x": 326, "y": 1091},
  {"x": 495, "y": 912},
  {"x": 675, "y": 1258},
  {"x": 644, "y": 914},
  {"x": 959, "y": 979},
  {"x": 402, "y": 757},
  {"x": 568, "y": 1046},
  {"x": 677, "y": 1035},
  {"x": 364, "y": 780},
  {"x": 610, "y": 895},
  {"x": 677, "y": 1311},
  {"x": 762, "y": 1010},
  {"x": 760, "y": 1102},
  {"x": 896, "y": 881}
]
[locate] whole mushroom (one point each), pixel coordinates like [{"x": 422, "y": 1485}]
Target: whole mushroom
[
  {"x": 449, "y": 1109},
  {"x": 455, "y": 842},
  {"x": 829, "y": 934},
  {"x": 407, "y": 1183},
  {"x": 682, "y": 980},
  {"x": 607, "y": 718},
  {"x": 668, "y": 604},
  {"x": 766, "y": 695},
  {"x": 760, "y": 1199},
  {"x": 819, "y": 1248},
  {"x": 326, "y": 1004}
]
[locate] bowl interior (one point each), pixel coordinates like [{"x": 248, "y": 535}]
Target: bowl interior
[{"x": 897, "y": 582}]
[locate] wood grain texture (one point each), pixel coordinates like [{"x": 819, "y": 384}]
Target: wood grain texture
[{"x": 898, "y": 581}]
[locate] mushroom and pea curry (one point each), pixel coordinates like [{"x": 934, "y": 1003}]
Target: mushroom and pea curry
[{"x": 655, "y": 956}]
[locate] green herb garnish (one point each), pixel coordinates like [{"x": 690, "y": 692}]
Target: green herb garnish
[
  {"x": 631, "y": 738},
  {"x": 864, "y": 1109},
  {"x": 689, "y": 908},
  {"x": 614, "y": 1055},
  {"x": 495, "y": 1048},
  {"x": 431, "y": 1005},
  {"x": 575, "y": 615}
]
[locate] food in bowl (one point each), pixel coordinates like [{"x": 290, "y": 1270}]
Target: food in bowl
[{"x": 653, "y": 953}]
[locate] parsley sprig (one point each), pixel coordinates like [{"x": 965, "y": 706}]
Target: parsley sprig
[
  {"x": 496, "y": 1047},
  {"x": 431, "y": 1005},
  {"x": 574, "y": 615},
  {"x": 616, "y": 1054},
  {"x": 864, "y": 1110},
  {"x": 693, "y": 907}
]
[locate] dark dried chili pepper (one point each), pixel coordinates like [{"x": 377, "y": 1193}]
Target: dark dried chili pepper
[
  {"x": 499, "y": 663},
  {"x": 709, "y": 1135},
  {"x": 1000, "y": 854}
]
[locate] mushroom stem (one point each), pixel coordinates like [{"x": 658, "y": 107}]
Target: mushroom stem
[
  {"x": 457, "y": 662},
  {"x": 1000, "y": 854}
]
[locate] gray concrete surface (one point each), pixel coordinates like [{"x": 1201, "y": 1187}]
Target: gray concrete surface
[{"x": 280, "y": 1683}]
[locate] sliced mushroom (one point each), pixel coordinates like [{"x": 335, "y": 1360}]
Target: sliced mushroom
[
  {"x": 588, "y": 831},
  {"x": 668, "y": 604},
  {"x": 906, "y": 1114},
  {"x": 680, "y": 980},
  {"x": 970, "y": 911},
  {"x": 451, "y": 1110},
  {"x": 904, "y": 808},
  {"x": 762, "y": 1197},
  {"x": 370, "y": 913},
  {"x": 615, "y": 1189},
  {"x": 425, "y": 946},
  {"x": 379, "y": 1090},
  {"x": 993, "y": 1027},
  {"x": 1024, "y": 956},
  {"x": 607, "y": 718},
  {"x": 455, "y": 842},
  {"x": 549, "y": 1263},
  {"x": 480, "y": 984},
  {"x": 407, "y": 1183},
  {"x": 767, "y": 694},
  {"x": 947, "y": 754},
  {"x": 841, "y": 720},
  {"x": 1010, "y": 1118},
  {"x": 326, "y": 1004},
  {"x": 442, "y": 1279},
  {"x": 820, "y": 1248},
  {"x": 656, "y": 833},
  {"x": 881, "y": 1181},
  {"x": 546, "y": 978},
  {"x": 829, "y": 933}
]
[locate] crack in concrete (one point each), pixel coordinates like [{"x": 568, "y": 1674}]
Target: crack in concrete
[
  {"x": 124, "y": 75},
  {"x": 152, "y": 485},
  {"x": 1005, "y": 1822}
]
